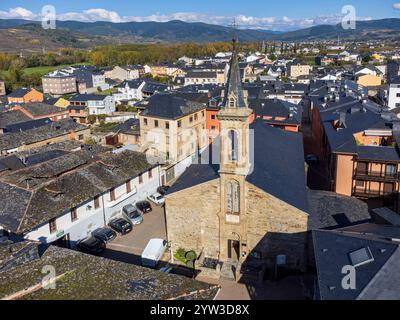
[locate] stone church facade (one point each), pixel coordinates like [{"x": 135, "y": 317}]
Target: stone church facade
[{"x": 234, "y": 210}]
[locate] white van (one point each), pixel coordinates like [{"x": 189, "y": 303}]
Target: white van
[{"x": 153, "y": 252}]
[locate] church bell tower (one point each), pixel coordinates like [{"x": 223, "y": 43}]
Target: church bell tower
[{"x": 235, "y": 165}]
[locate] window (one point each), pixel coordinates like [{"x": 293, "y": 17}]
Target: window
[
  {"x": 362, "y": 168},
  {"x": 233, "y": 156},
  {"x": 167, "y": 139},
  {"x": 74, "y": 215},
  {"x": 360, "y": 184},
  {"x": 202, "y": 114},
  {"x": 232, "y": 103},
  {"x": 80, "y": 137},
  {"x": 140, "y": 179},
  {"x": 391, "y": 170},
  {"x": 145, "y": 121},
  {"x": 167, "y": 125},
  {"x": 53, "y": 226},
  {"x": 112, "y": 194},
  {"x": 213, "y": 128},
  {"x": 179, "y": 123},
  {"x": 96, "y": 202},
  {"x": 190, "y": 119},
  {"x": 195, "y": 117},
  {"x": 398, "y": 95},
  {"x": 233, "y": 197},
  {"x": 156, "y": 123},
  {"x": 128, "y": 186},
  {"x": 213, "y": 117},
  {"x": 150, "y": 173}
]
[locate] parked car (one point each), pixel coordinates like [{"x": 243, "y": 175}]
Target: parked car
[
  {"x": 153, "y": 252},
  {"x": 157, "y": 198},
  {"x": 91, "y": 245},
  {"x": 182, "y": 271},
  {"x": 120, "y": 225},
  {"x": 162, "y": 190},
  {"x": 105, "y": 234},
  {"x": 133, "y": 214},
  {"x": 144, "y": 206}
]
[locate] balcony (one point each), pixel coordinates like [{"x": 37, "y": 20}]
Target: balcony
[
  {"x": 376, "y": 176},
  {"x": 362, "y": 193}
]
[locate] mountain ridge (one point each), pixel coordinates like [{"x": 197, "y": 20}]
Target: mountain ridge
[{"x": 86, "y": 34}]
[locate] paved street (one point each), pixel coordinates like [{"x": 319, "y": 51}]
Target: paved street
[{"x": 128, "y": 248}]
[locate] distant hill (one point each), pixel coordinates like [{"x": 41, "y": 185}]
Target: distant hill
[
  {"x": 88, "y": 34},
  {"x": 367, "y": 30},
  {"x": 171, "y": 31}
]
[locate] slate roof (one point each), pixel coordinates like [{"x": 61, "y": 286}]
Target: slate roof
[
  {"x": 87, "y": 97},
  {"x": 130, "y": 126},
  {"x": 14, "y": 140},
  {"x": 201, "y": 74},
  {"x": 12, "y": 117},
  {"x": 277, "y": 108},
  {"x": 329, "y": 210},
  {"x": 19, "y": 93},
  {"x": 170, "y": 106},
  {"x": 40, "y": 109},
  {"x": 47, "y": 190},
  {"x": 234, "y": 83},
  {"x": 358, "y": 117},
  {"x": 87, "y": 277},
  {"x": 379, "y": 278},
  {"x": 378, "y": 153},
  {"x": 27, "y": 125},
  {"x": 277, "y": 168}
]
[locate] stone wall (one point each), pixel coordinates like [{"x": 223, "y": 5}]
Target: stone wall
[
  {"x": 269, "y": 226},
  {"x": 192, "y": 219},
  {"x": 275, "y": 227}
]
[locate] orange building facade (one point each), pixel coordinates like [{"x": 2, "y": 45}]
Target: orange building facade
[{"x": 25, "y": 96}]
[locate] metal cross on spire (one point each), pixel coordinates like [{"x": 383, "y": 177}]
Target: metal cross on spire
[{"x": 234, "y": 36}]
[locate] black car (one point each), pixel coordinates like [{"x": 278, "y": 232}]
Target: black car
[
  {"x": 120, "y": 225},
  {"x": 144, "y": 206},
  {"x": 162, "y": 190},
  {"x": 91, "y": 245},
  {"x": 105, "y": 234}
]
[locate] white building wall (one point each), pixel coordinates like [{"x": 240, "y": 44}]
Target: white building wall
[
  {"x": 394, "y": 96},
  {"x": 89, "y": 218}
]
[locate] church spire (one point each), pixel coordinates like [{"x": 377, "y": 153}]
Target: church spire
[{"x": 234, "y": 97}]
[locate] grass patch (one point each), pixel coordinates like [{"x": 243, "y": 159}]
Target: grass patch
[{"x": 42, "y": 70}]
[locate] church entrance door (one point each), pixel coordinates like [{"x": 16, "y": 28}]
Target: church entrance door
[{"x": 233, "y": 250}]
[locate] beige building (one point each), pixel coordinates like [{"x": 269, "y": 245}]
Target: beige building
[
  {"x": 172, "y": 127},
  {"x": 244, "y": 203},
  {"x": 296, "y": 69},
  {"x": 59, "y": 83}
]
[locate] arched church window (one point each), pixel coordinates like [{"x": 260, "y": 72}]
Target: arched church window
[
  {"x": 233, "y": 197},
  {"x": 233, "y": 145}
]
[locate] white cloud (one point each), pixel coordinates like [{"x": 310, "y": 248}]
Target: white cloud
[
  {"x": 18, "y": 13},
  {"x": 272, "y": 23},
  {"x": 396, "y": 6}
]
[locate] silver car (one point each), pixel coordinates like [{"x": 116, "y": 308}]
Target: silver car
[{"x": 133, "y": 214}]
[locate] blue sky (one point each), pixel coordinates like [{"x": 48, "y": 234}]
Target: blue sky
[{"x": 278, "y": 15}]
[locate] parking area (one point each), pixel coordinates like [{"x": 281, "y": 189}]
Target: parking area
[{"x": 128, "y": 248}]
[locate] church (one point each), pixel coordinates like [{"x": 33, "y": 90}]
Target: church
[{"x": 244, "y": 202}]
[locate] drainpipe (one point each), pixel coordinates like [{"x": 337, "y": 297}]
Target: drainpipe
[{"x": 104, "y": 210}]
